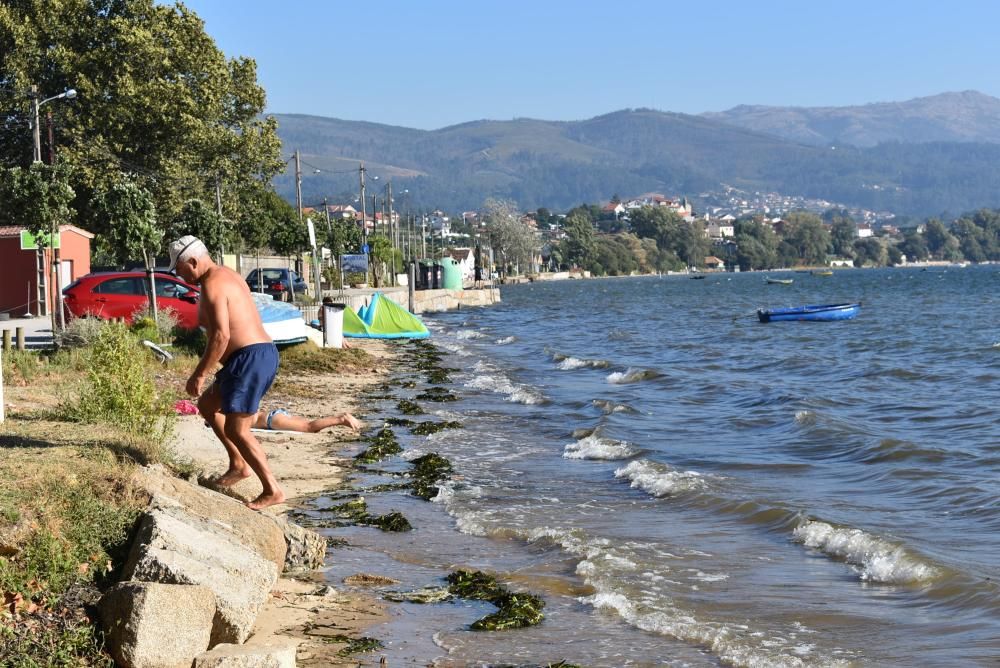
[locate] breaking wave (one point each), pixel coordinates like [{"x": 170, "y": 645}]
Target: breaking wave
[
  {"x": 878, "y": 560},
  {"x": 660, "y": 479},
  {"x": 493, "y": 381},
  {"x": 631, "y": 375},
  {"x": 593, "y": 446}
]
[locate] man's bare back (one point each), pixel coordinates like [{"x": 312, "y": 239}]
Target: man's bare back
[{"x": 223, "y": 287}]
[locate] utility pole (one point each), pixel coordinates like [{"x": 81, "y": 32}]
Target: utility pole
[
  {"x": 298, "y": 206},
  {"x": 392, "y": 237},
  {"x": 364, "y": 218},
  {"x": 218, "y": 208},
  {"x": 57, "y": 299},
  {"x": 36, "y": 156}
]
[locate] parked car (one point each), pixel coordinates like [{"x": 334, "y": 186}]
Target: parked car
[
  {"x": 276, "y": 282},
  {"x": 119, "y": 294}
]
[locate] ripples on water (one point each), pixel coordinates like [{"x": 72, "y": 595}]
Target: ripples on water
[{"x": 726, "y": 491}]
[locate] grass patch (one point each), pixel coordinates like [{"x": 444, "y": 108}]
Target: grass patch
[{"x": 307, "y": 357}]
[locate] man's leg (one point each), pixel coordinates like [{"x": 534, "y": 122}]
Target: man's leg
[
  {"x": 237, "y": 428},
  {"x": 210, "y": 405}
]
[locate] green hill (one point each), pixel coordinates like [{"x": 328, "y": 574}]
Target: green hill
[{"x": 561, "y": 164}]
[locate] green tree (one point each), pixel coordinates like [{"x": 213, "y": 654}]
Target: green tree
[
  {"x": 869, "y": 251},
  {"x": 756, "y": 245},
  {"x": 131, "y": 221},
  {"x": 578, "y": 247},
  {"x": 197, "y": 218},
  {"x": 807, "y": 237},
  {"x": 514, "y": 243},
  {"x": 938, "y": 238},
  {"x": 914, "y": 246},
  {"x": 157, "y": 100},
  {"x": 37, "y": 197},
  {"x": 843, "y": 234}
]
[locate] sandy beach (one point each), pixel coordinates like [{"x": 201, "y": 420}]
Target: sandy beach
[{"x": 305, "y": 465}]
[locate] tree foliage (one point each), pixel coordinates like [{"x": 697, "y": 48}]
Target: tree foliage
[
  {"x": 132, "y": 229},
  {"x": 37, "y": 197},
  {"x": 157, "y": 103},
  {"x": 513, "y": 240}
]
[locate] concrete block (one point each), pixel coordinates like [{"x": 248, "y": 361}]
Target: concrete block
[
  {"x": 153, "y": 625},
  {"x": 271, "y": 654},
  {"x": 176, "y": 547}
]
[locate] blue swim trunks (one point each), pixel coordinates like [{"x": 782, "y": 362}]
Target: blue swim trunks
[{"x": 246, "y": 376}]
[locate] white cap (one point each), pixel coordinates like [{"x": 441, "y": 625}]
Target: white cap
[{"x": 187, "y": 246}]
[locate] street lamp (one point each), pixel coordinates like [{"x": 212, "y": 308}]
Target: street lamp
[{"x": 69, "y": 94}]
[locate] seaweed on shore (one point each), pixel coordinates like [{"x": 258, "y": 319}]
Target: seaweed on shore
[
  {"x": 437, "y": 394},
  {"x": 407, "y": 407},
  {"x": 357, "y": 511},
  {"x": 514, "y": 610},
  {"x": 384, "y": 444},
  {"x": 427, "y": 472},
  {"x": 429, "y": 427},
  {"x": 353, "y": 645},
  {"x": 399, "y": 422}
]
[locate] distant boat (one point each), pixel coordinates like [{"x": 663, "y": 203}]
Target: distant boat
[
  {"x": 826, "y": 272},
  {"x": 814, "y": 312},
  {"x": 696, "y": 277},
  {"x": 777, "y": 281}
]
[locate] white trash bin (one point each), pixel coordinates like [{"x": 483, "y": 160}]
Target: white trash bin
[{"x": 333, "y": 325}]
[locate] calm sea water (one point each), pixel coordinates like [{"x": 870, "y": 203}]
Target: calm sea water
[{"x": 686, "y": 486}]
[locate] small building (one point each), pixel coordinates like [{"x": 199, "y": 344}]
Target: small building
[
  {"x": 712, "y": 262},
  {"x": 19, "y": 292},
  {"x": 864, "y": 231}
]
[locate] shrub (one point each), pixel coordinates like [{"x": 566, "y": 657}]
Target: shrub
[
  {"x": 161, "y": 330},
  {"x": 120, "y": 391},
  {"x": 80, "y": 333},
  {"x": 21, "y": 364}
]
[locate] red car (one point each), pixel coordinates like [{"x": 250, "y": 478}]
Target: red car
[{"x": 119, "y": 294}]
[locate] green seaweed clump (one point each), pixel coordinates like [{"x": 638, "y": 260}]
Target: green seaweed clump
[
  {"x": 427, "y": 472},
  {"x": 354, "y": 645},
  {"x": 428, "y": 428},
  {"x": 437, "y": 394},
  {"x": 389, "y": 522},
  {"x": 515, "y": 610},
  {"x": 357, "y": 511},
  {"x": 407, "y": 407},
  {"x": 383, "y": 443},
  {"x": 399, "y": 422}
]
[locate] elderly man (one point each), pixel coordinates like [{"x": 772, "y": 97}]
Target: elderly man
[{"x": 237, "y": 340}]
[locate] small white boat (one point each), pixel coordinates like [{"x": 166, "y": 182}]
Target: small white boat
[{"x": 283, "y": 322}]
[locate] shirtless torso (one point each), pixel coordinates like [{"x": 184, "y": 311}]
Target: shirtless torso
[{"x": 229, "y": 316}]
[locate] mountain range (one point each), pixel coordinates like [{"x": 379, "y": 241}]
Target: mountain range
[{"x": 928, "y": 156}]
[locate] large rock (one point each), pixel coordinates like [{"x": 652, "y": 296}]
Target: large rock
[
  {"x": 178, "y": 547},
  {"x": 272, "y": 654},
  {"x": 306, "y": 549},
  {"x": 255, "y": 529},
  {"x": 153, "y": 625}
]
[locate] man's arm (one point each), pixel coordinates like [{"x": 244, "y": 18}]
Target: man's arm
[{"x": 216, "y": 310}]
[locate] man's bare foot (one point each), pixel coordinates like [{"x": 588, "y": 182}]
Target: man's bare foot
[
  {"x": 351, "y": 421},
  {"x": 266, "y": 500},
  {"x": 231, "y": 477}
]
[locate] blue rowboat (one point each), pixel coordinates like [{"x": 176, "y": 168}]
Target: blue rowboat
[{"x": 813, "y": 312}]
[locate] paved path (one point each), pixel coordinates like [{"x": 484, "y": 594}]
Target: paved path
[{"x": 37, "y": 331}]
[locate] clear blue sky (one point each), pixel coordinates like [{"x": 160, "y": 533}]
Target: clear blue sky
[{"x": 432, "y": 63}]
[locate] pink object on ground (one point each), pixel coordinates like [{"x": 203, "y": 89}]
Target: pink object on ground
[{"x": 186, "y": 407}]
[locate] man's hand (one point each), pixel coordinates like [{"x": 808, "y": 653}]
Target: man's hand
[{"x": 195, "y": 384}]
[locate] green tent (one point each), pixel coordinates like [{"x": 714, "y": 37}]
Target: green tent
[{"x": 383, "y": 319}]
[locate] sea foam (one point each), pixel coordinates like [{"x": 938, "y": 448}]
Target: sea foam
[
  {"x": 631, "y": 375},
  {"x": 593, "y": 446},
  {"x": 660, "y": 479},
  {"x": 878, "y": 560},
  {"x": 497, "y": 382}
]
